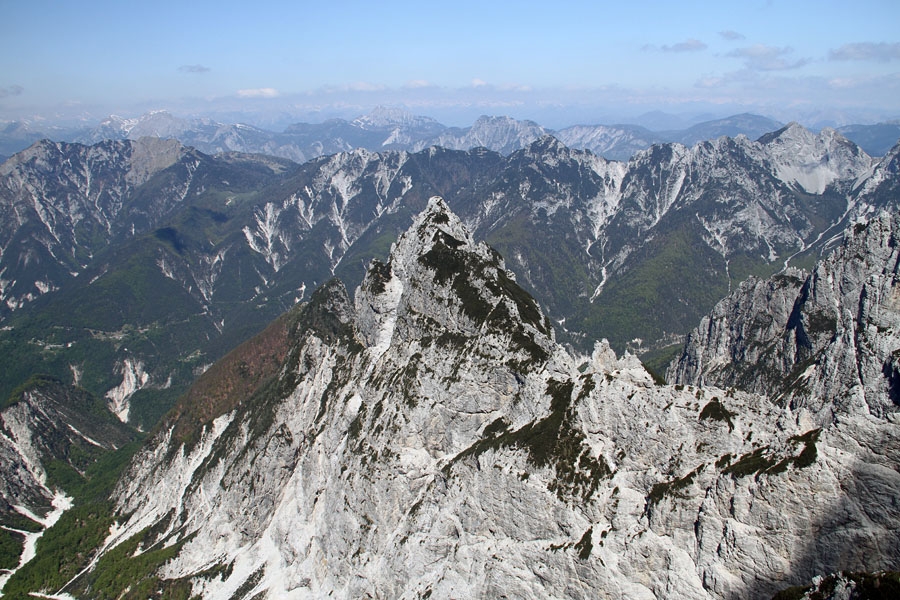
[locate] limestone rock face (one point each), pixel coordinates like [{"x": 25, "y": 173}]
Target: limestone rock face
[
  {"x": 827, "y": 341},
  {"x": 431, "y": 439},
  {"x": 766, "y": 306}
]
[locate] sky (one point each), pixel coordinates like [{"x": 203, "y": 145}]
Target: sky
[{"x": 551, "y": 61}]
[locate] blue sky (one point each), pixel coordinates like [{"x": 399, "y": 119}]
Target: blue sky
[{"x": 528, "y": 59}]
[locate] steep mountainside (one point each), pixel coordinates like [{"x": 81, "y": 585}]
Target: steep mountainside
[
  {"x": 110, "y": 260},
  {"x": 685, "y": 224},
  {"x": 827, "y": 341},
  {"x": 61, "y": 204},
  {"x": 431, "y": 439}
]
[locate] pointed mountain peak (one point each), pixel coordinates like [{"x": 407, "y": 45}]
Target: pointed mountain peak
[
  {"x": 794, "y": 133},
  {"x": 437, "y": 216},
  {"x": 435, "y": 225},
  {"x": 791, "y": 131},
  {"x": 547, "y": 144},
  {"x": 813, "y": 161},
  {"x": 439, "y": 279}
]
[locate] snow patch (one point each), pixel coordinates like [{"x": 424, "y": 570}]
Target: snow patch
[
  {"x": 76, "y": 375},
  {"x": 812, "y": 178}
]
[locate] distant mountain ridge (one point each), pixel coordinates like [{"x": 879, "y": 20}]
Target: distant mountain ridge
[{"x": 397, "y": 129}]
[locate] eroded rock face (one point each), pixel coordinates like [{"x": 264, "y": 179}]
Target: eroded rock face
[
  {"x": 431, "y": 438},
  {"x": 826, "y": 341},
  {"x": 723, "y": 347}
]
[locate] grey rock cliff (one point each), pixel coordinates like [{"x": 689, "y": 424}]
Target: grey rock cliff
[{"x": 827, "y": 341}]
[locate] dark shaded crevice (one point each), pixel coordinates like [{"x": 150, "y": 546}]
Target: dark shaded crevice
[{"x": 795, "y": 321}]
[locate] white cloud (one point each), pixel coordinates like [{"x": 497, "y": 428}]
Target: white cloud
[
  {"x": 731, "y": 35},
  {"x": 194, "y": 69},
  {"x": 880, "y": 52},
  {"x": 478, "y": 82},
  {"x": 690, "y": 45},
  {"x": 258, "y": 93},
  {"x": 760, "y": 57},
  {"x": 418, "y": 83}
]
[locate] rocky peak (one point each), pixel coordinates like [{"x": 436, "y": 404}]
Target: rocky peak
[
  {"x": 39, "y": 156},
  {"x": 547, "y": 144},
  {"x": 438, "y": 275},
  {"x": 793, "y": 131},
  {"x": 413, "y": 446},
  {"x": 813, "y": 162}
]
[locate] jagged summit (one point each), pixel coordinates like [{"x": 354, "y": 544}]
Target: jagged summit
[
  {"x": 547, "y": 144},
  {"x": 438, "y": 275},
  {"x": 813, "y": 162},
  {"x": 434, "y": 221}
]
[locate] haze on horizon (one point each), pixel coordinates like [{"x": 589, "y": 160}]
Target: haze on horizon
[{"x": 270, "y": 63}]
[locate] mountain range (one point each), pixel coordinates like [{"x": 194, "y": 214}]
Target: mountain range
[
  {"x": 130, "y": 266},
  {"x": 199, "y": 406},
  {"x": 396, "y": 129},
  {"x": 429, "y": 437}
]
